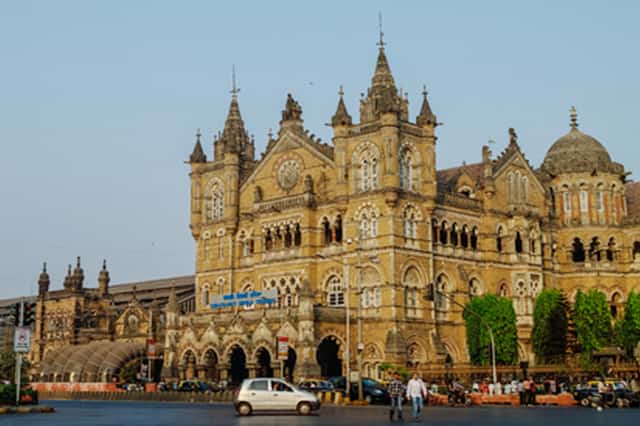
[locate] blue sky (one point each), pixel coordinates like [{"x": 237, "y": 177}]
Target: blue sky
[{"x": 99, "y": 102}]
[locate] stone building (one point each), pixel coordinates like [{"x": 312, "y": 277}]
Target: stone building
[
  {"x": 360, "y": 225},
  {"x": 368, "y": 220}
]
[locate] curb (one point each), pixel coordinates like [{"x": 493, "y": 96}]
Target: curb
[{"x": 23, "y": 409}]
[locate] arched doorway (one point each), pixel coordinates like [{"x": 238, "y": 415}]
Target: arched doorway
[
  {"x": 211, "y": 365},
  {"x": 290, "y": 365},
  {"x": 238, "y": 365},
  {"x": 328, "y": 357},
  {"x": 264, "y": 363}
]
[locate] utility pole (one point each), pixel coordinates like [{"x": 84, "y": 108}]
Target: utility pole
[
  {"x": 19, "y": 357},
  {"x": 360, "y": 344},
  {"x": 149, "y": 340}
]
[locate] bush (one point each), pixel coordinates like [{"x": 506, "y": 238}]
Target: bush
[
  {"x": 628, "y": 329},
  {"x": 592, "y": 318}
]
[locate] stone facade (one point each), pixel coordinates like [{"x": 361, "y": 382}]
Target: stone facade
[{"x": 369, "y": 220}]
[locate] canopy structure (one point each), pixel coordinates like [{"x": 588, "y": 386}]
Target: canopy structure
[{"x": 92, "y": 362}]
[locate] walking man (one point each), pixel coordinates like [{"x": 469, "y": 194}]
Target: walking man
[
  {"x": 416, "y": 390},
  {"x": 396, "y": 395}
]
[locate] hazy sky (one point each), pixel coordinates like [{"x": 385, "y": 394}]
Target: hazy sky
[{"x": 99, "y": 102}]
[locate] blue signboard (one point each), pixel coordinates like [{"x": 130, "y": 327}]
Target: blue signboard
[{"x": 247, "y": 298}]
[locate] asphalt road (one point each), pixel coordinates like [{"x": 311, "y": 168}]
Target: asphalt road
[{"x": 96, "y": 413}]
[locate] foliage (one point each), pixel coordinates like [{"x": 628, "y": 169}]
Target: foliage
[
  {"x": 592, "y": 318},
  {"x": 550, "y": 324},
  {"x": 8, "y": 367},
  {"x": 129, "y": 371},
  {"x": 387, "y": 367},
  {"x": 498, "y": 312},
  {"x": 628, "y": 329}
]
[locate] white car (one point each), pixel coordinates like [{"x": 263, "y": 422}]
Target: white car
[{"x": 269, "y": 394}]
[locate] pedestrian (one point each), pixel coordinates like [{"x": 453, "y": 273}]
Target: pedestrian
[
  {"x": 396, "y": 395},
  {"x": 498, "y": 388},
  {"x": 416, "y": 390},
  {"x": 532, "y": 391},
  {"x": 524, "y": 393}
]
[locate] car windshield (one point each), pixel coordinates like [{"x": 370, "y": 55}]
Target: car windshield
[{"x": 370, "y": 382}]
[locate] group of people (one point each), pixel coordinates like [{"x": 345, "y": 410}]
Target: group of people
[{"x": 415, "y": 391}]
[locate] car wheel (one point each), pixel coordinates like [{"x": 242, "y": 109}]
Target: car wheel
[
  {"x": 585, "y": 402},
  {"x": 304, "y": 408},
  {"x": 244, "y": 409},
  {"x": 369, "y": 399}
]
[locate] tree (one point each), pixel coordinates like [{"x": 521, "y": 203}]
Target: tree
[
  {"x": 550, "y": 326},
  {"x": 498, "y": 312},
  {"x": 592, "y": 318},
  {"x": 629, "y": 326},
  {"x": 8, "y": 367}
]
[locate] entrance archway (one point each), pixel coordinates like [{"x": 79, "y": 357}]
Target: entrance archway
[
  {"x": 211, "y": 365},
  {"x": 328, "y": 357},
  {"x": 290, "y": 365},
  {"x": 264, "y": 363},
  {"x": 189, "y": 365},
  {"x": 238, "y": 365}
]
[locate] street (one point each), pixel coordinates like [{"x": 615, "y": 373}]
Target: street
[{"x": 144, "y": 413}]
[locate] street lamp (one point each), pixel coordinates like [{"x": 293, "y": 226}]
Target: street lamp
[
  {"x": 372, "y": 259},
  {"x": 432, "y": 290}
]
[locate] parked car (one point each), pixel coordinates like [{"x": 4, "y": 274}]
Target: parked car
[
  {"x": 192, "y": 386},
  {"x": 316, "y": 385},
  {"x": 619, "y": 396},
  {"x": 372, "y": 391},
  {"x": 268, "y": 394}
]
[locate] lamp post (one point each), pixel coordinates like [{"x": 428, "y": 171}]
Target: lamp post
[
  {"x": 372, "y": 259},
  {"x": 430, "y": 295}
]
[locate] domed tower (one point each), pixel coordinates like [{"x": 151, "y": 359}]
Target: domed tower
[
  {"x": 587, "y": 185},
  {"x": 43, "y": 281}
]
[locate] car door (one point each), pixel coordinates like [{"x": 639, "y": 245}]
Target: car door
[
  {"x": 284, "y": 398},
  {"x": 259, "y": 394}
]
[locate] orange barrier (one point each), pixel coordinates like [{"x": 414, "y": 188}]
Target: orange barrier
[
  {"x": 75, "y": 387},
  {"x": 563, "y": 400}
]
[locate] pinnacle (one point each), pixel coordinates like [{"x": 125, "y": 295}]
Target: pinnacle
[
  {"x": 382, "y": 75},
  {"x": 341, "y": 117}
]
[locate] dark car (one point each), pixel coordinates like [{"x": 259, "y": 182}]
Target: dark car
[
  {"x": 619, "y": 396},
  {"x": 192, "y": 386},
  {"x": 373, "y": 391}
]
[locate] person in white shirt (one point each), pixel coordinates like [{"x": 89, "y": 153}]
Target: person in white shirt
[
  {"x": 416, "y": 391},
  {"x": 498, "y": 388}
]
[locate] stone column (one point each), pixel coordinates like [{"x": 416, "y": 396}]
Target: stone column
[
  {"x": 224, "y": 371},
  {"x": 252, "y": 369}
]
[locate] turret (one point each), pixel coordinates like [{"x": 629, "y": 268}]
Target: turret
[
  {"x": 291, "y": 115},
  {"x": 43, "y": 281},
  {"x": 103, "y": 279},
  {"x": 77, "y": 277}
]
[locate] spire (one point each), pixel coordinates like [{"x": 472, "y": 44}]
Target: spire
[
  {"x": 43, "y": 281},
  {"x": 198, "y": 155},
  {"x": 103, "y": 279},
  {"x": 68, "y": 280},
  {"x": 341, "y": 117},
  {"x": 78, "y": 275},
  {"x": 573, "y": 114},
  {"x": 234, "y": 136},
  {"x": 426, "y": 116}
]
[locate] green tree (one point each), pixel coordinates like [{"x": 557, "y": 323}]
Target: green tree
[
  {"x": 8, "y": 367},
  {"x": 592, "y": 319},
  {"x": 550, "y": 324},
  {"x": 629, "y": 327},
  {"x": 499, "y": 314}
]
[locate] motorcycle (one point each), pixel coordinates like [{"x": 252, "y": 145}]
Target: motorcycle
[{"x": 461, "y": 397}]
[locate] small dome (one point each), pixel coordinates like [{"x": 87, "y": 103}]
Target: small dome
[{"x": 577, "y": 152}]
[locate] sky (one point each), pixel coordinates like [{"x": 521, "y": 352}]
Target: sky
[{"x": 100, "y": 102}]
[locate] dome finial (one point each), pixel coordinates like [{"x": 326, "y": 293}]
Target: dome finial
[
  {"x": 381, "y": 42},
  {"x": 574, "y": 117}
]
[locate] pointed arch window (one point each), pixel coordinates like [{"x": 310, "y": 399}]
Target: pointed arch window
[
  {"x": 338, "y": 229},
  {"x": 327, "y": 231},
  {"x": 518, "y": 243},
  {"x": 297, "y": 236},
  {"x": 217, "y": 203},
  {"x": 405, "y": 172},
  {"x": 577, "y": 254},
  {"x": 335, "y": 291},
  {"x": 584, "y": 201}
]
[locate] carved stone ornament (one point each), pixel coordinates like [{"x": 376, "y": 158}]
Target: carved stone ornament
[{"x": 288, "y": 174}]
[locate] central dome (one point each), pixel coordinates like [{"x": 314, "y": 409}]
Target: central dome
[{"x": 577, "y": 152}]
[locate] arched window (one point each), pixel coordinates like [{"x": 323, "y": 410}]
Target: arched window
[
  {"x": 499, "y": 236},
  {"x": 503, "y": 290},
  {"x": 335, "y": 292},
  {"x": 248, "y": 288},
  {"x": 444, "y": 238},
  {"x": 611, "y": 249},
  {"x": 518, "y": 243},
  {"x": 464, "y": 237},
  {"x": 327, "y": 231},
  {"x": 475, "y": 288},
  {"x": 366, "y": 298},
  {"x": 338, "y": 229},
  {"x": 584, "y": 201},
  {"x": 409, "y": 224},
  {"x": 615, "y": 304},
  {"x": 578, "y": 254},
  {"x": 600, "y": 201},
  {"x": 365, "y": 162},
  {"x": 524, "y": 189},
  {"x": 474, "y": 238},
  {"x": 205, "y": 295},
  {"x": 297, "y": 236},
  {"x": 288, "y": 238},
  {"x": 217, "y": 202},
  {"x": 454, "y": 234},
  {"x": 366, "y": 182},
  {"x": 406, "y": 178},
  {"x": 368, "y": 226}
]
